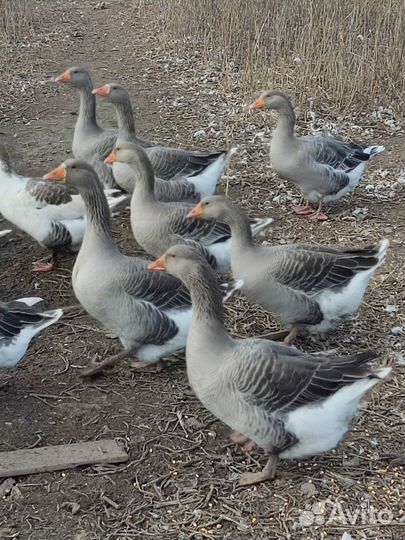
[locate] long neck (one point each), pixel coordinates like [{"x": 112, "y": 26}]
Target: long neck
[
  {"x": 240, "y": 229},
  {"x": 286, "y": 119},
  {"x": 98, "y": 229},
  {"x": 144, "y": 182},
  {"x": 87, "y": 110},
  {"x": 125, "y": 118},
  {"x": 208, "y": 310}
]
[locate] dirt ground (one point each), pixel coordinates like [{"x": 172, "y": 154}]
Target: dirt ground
[{"x": 181, "y": 479}]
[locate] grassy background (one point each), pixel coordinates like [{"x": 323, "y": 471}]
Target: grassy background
[{"x": 345, "y": 55}]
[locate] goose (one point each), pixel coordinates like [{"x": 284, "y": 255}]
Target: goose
[
  {"x": 49, "y": 213},
  {"x": 324, "y": 168},
  {"x": 157, "y": 225},
  {"x": 310, "y": 288},
  {"x": 291, "y": 404},
  {"x": 149, "y": 313},
  {"x": 165, "y": 191},
  {"x": 91, "y": 142},
  {"x": 202, "y": 169},
  {"x": 19, "y": 323}
]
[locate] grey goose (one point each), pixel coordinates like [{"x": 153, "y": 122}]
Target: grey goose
[
  {"x": 150, "y": 313},
  {"x": 291, "y": 404},
  {"x": 311, "y": 288},
  {"x": 323, "y": 168},
  {"x": 200, "y": 168}
]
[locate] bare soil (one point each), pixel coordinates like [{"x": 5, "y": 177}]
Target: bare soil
[{"x": 181, "y": 479}]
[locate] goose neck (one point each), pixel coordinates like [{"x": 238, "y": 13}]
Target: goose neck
[
  {"x": 125, "y": 119},
  {"x": 98, "y": 216},
  {"x": 286, "y": 119},
  {"x": 87, "y": 110}
]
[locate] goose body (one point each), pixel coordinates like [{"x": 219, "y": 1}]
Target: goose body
[
  {"x": 165, "y": 191},
  {"x": 157, "y": 225},
  {"x": 324, "y": 168},
  {"x": 311, "y": 288},
  {"x": 49, "y": 213},
  {"x": 291, "y": 404},
  {"x": 202, "y": 169},
  {"x": 150, "y": 313},
  {"x": 19, "y": 324}
]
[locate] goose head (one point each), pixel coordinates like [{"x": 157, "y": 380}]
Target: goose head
[
  {"x": 213, "y": 207},
  {"x": 76, "y": 77},
  {"x": 5, "y": 161},
  {"x": 133, "y": 155},
  {"x": 271, "y": 99},
  {"x": 76, "y": 174},
  {"x": 112, "y": 92},
  {"x": 181, "y": 261}
]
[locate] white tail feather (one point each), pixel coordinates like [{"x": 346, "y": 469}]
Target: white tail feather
[{"x": 374, "y": 150}]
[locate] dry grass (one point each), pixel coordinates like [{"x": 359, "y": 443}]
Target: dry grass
[
  {"x": 16, "y": 19},
  {"x": 346, "y": 54}
]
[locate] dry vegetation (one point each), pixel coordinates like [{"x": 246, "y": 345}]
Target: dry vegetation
[
  {"x": 15, "y": 19},
  {"x": 350, "y": 54},
  {"x": 181, "y": 480}
]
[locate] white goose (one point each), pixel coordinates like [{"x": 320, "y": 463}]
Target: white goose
[
  {"x": 19, "y": 323},
  {"x": 49, "y": 213}
]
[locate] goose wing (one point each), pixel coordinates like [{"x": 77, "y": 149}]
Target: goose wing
[
  {"x": 14, "y": 316},
  {"x": 198, "y": 230},
  {"x": 314, "y": 268},
  {"x": 279, "y": 379},
  {"x": 158, "y": 288},
  {"x": 333, "y": 152},
  {"x": 170, "y": 163},
  {"x": 44, "y": 193}
]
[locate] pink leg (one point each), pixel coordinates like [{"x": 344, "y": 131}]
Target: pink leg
[
  {"x": 303, "y": 210},
  {"x": 268, "y": 473},
  {"x": 317, "y": 216},
  {"x": 45, "y": 266},
  {"x": 156, "y": 368},
  {"x": 247, "y": 444}
]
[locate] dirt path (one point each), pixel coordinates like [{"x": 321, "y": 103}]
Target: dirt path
[{"x": 180, "y": 482}]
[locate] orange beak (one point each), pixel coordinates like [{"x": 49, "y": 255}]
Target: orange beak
[
  {"x": 197, "y": 212},
  {"x": 159, "y": 265},
  {"x": 110, "y": 158},
  {"x": 103, "y": 91},
  {"x": 64, "y": 78},
  {"x": 259, "y": 104},
  {"x": 58, "y": 174}
]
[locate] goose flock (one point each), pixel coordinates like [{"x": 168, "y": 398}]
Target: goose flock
[{"x": 289, "y": 403}]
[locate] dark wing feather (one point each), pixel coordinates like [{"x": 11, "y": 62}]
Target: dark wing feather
[
  {"x": 335, "y": 152},
  {"x": 198, "y": 230},
  {"x": 106, "y": 145},
  {"x": 158, "y": 288},
  {"x": 312, "y": 268},
  {"x": 170, "y": 163},
  {"x": 49, "y": 192},
  {"x": 14, "y": 316},
  {"x": 279, "y": 379}
]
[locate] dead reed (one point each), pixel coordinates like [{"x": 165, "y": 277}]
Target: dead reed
[
  {"x": 349, "y": 55},
  {"x": 16, "y": 19}
]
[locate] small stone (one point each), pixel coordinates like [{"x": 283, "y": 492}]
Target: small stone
[{"x": 308, "y": 489}]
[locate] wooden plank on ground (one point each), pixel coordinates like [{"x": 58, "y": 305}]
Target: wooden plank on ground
[{"x": 56, "y": 458}]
